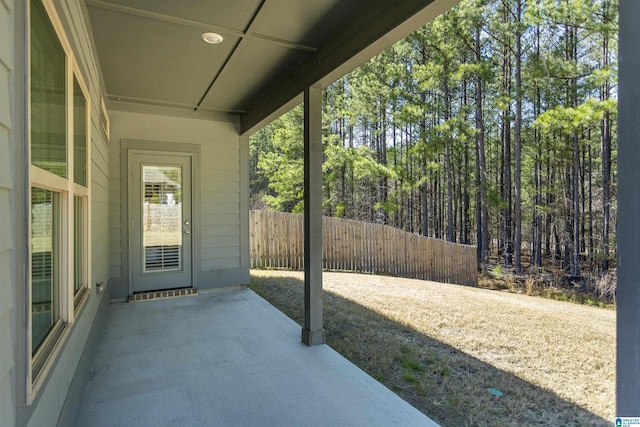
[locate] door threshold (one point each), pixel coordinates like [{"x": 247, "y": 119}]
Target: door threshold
[{"x": 164, "y": 294}]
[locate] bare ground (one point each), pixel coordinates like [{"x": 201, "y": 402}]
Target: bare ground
[{"x": 441, "y": 347}]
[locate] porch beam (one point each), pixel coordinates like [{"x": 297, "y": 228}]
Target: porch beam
[
  {"x": 313, "y": 330},
  {"x": 628, "y": 290}
]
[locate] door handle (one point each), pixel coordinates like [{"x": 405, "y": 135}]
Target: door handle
[{"x": 187, "y": 231}]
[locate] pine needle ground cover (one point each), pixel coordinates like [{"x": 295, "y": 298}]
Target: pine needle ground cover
[{"x": 466, "y": 356}]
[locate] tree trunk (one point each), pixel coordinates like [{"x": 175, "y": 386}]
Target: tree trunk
[
  {"x": 506, "y": 187},
  {"x": 590, "y": 186},
  {"x": 517, "y": 143},
  {"x": 537, "y": 179},
  {"x": 424, "y": 186},
  {"x": 481, "y": 164},
  {"x": 447, "y": 154},
  {"x": 605, "y": 135},
  {"x": 575, "y": 261}
]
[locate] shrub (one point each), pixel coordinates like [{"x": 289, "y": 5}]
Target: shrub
[{"x": 605, "y": 286}]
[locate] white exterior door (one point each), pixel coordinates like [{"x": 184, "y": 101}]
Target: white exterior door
[{"x": 160, "y": 221}]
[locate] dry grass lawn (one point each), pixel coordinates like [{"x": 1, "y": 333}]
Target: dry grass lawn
[{"x": 442, "y": 346}]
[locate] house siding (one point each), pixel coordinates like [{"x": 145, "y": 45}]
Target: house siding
[
  {"x": 75, "y": 20},
  {"x": 51, "y": 399},
  {"x": 7, "y": 222},
  {"x": 218, "y": 255}
]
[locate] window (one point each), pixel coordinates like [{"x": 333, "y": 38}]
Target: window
[
  {"x": 45, "y": 294},
  {"x": 59, "y": 176},
  {"x": 80, "y": 197},
  {"x": 79, "y": 135},
  {"x": 80, "y": 249},
  {"x": 48, "y": 96}
]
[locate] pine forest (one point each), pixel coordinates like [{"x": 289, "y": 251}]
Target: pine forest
[{"x": 493, "y": 125}]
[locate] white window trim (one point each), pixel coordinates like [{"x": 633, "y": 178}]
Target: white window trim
[
  {"x": 81, "y": 191},
  {"x": 66, "y": 190}
]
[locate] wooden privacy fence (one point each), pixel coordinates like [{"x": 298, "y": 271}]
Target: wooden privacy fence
[{"x": 277, "y": 241}]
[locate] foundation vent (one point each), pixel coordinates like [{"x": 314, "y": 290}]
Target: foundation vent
[{"x": 169, "y": 293}]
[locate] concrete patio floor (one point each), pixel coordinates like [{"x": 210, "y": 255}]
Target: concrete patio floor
[{"x": 226, "y": 358}]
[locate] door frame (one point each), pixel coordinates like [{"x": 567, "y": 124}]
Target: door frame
[
  {"x": 159, "y": 147},
  {"x": 140, "y": 279}
]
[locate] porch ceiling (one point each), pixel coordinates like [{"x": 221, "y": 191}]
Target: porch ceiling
[{"x": 151, "y": 52}]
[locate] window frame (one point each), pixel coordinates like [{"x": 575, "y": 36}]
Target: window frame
[
  {"x": 69, "y": 302},
  {"x": 77, "y": 299}
]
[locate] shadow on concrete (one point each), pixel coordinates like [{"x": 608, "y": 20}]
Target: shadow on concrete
[{"x": 443, "y": 382}]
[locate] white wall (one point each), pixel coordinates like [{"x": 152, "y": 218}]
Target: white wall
[
  {"x": 218, "y": 257},
  {"x": 7, "y": 221}
]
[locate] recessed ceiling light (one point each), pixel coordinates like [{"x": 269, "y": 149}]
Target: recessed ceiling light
[{"x": 212, "y": 38}]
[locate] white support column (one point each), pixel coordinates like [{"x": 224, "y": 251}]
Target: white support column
[
  {"x": 313, "y": 330},
  {"x": 628, "y": 233}
]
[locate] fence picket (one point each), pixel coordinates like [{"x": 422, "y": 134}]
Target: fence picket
[{"x": 277, "y": 241}]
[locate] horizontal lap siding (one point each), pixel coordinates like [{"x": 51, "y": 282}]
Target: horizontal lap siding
[
  {"x": 219, "y": 189},
  {"x": 99, "y": 204},
  {"x": 51, "y": 398},
  {"x": 7, "y": 272},
  {"x": 230, "y": 196},
  {"x": 221, "y": 241},
  {"x": 211, "y": 233},
  {"x": 276, "y": 241},
  {"x": 218, "y": 208},
  {"x": 220, "y": 219}
]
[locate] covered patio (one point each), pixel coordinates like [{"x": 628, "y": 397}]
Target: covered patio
[
  {"x": 138, "y": 85},
  {"x": 226, "y": 358}
]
